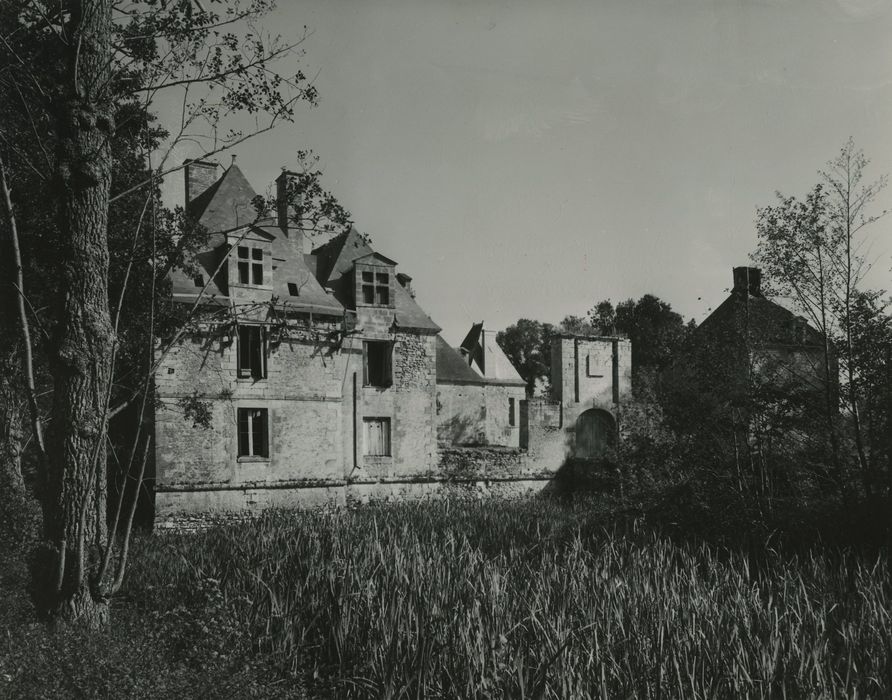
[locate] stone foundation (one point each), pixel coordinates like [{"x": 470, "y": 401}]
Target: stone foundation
[{"x": 185, "y": 510}]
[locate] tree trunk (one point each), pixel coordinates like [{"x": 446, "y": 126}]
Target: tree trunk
[
  {"x": 13, "y": 498},
  {"x": 83, "y": 342}
]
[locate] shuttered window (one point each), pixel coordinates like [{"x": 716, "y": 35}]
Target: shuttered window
[{"x": 377, "y": 436}]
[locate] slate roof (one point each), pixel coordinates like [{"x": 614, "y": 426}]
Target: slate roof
[
  {"x": 767, "y": 321},
  {"x": 291, "y": 268},
  {"x": 452, "y": 368},
  {"x": 335, "y": 259},
  {"x": 321, "y": 278},
  {"x": 488, "y": 359},
  {"x": 185, "y": 288},
  {"x": 409, "y": 315},
  {"x": 225, "y": 205}
]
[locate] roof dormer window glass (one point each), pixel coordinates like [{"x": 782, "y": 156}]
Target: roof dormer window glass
[
  {"x": 376, "y": 288},
  {"x": 368, "y": 287},
  {"x": 382, "y": 288},
  {"x": 250, "y": 265}
]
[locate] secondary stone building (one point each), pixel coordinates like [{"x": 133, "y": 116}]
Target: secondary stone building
[
  {"x": 314, "y": 377},
  {"x": 751, "y": 343},
  {"x": 479, "y": 393}
]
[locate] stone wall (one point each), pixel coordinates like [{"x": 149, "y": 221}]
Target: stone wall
[
  {"x": 473, "y": 463},
  {"x": 309, "y": 429},
  {"x": 478, "y": 414},
  {"x": 461, "y": 414},
  {"x": 498, "y": 430},
  {"x": 592, "y": 372},
  {"x": 198, "y": 509},
  {"x": 415, "y": 404},
  {"x": 548, "y": 442}
]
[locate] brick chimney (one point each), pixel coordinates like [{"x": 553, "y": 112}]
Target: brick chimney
[
  {"x": 200, "y": 174},
  {"x": 748, "y": 280}
]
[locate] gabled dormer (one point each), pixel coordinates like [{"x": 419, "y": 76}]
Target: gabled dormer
[
  {"x": 374, "y": 280},
  {"x": 250, "y": 260}
]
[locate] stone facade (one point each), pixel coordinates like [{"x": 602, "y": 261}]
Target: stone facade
[{"x": 316, "y": 378}]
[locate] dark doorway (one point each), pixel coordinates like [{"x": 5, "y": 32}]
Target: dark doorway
[{"x": 595, "y": 434}]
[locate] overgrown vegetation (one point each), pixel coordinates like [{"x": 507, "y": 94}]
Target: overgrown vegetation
[{"x": 474, "y": 599}]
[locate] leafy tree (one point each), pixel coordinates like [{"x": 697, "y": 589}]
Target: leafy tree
[
  {"x": 527, "y": 344},
  {"x": 809, "y": 250},
  {"x": 577, "y": 325},
  {"x": 655, "y": 330},
  {"x": 84, "y": 71},
  {"x": 872, "y": 348}
]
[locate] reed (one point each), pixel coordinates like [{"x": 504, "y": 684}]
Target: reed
[{"x": 530, "y": 599}]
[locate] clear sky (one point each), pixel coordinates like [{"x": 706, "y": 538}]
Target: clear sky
[{"x": 524, "y": 158}]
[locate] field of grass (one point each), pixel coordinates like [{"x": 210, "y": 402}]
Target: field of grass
[{"x": 470, "y": 599}]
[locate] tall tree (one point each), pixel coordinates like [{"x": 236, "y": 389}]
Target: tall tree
[
  {"x": 527, "y": 344},
  {"x": 70, "y": 67},
  {"x": 656, "y": 332},
  {"x": 810, "y": 252}
]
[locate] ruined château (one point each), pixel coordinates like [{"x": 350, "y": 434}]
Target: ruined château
[{"x": 323, "y": 380}]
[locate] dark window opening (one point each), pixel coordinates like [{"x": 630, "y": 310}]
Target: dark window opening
[
  {"x": 511, "y": 416},
  {"x": 376, "y": 288},
  {"x": 292, "y": 289},
  {"x": 250, "y": 265},
  {"x": 368, "y": 288},
  {"x": 377, "y": 436},
  {"x": 251, "y": 352},
  {"x": 253, "y": 432},
  {"x": 199, "y": 281},
  {"x": 257, "y": 265},
  {"x": 377, "y": 363}
]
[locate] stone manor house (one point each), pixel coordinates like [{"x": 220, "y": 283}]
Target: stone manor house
[{"x": 327, "y": 382}]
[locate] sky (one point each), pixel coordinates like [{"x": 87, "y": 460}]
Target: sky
[{"x": 527, "y": 159}]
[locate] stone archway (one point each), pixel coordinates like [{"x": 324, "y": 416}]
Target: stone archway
[{"x": 595, "y": 434}]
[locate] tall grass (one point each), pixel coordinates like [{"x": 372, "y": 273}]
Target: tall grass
[{"x": 530, "y": 599}]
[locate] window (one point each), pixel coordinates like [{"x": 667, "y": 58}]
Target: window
[
  {"x": 376, "y": 363},
  {"x": 368, "y": 288},
  {"x": 377, "y": 436},
  {"x": 511, "y": 416},
  {"x": 382, "y": 288},
  {"x": 292, "y": 289},
  {"x": 198, "y": 280},
  {"x": 253, "y": 432},
  {"x": 251, "y": 352},
  {"x": 250, "y": 265},
  {"x": 376, "y": 288}
]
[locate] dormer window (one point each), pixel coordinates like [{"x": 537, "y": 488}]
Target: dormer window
[
  {"x": 250, "y": 265},
  {"x": 376, "y": 288},
  {"x": 373, "y": 280}
]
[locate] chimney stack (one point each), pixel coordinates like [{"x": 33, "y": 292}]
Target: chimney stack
[
  {"x": 748, "y": 280},
  {"x": 406, "y": 283},
  {"x": 200, "y": 174},
  {"x": 285, "y": 211}
]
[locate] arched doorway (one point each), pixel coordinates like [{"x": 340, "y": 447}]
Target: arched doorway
[{"x": 595, "y": 434}]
